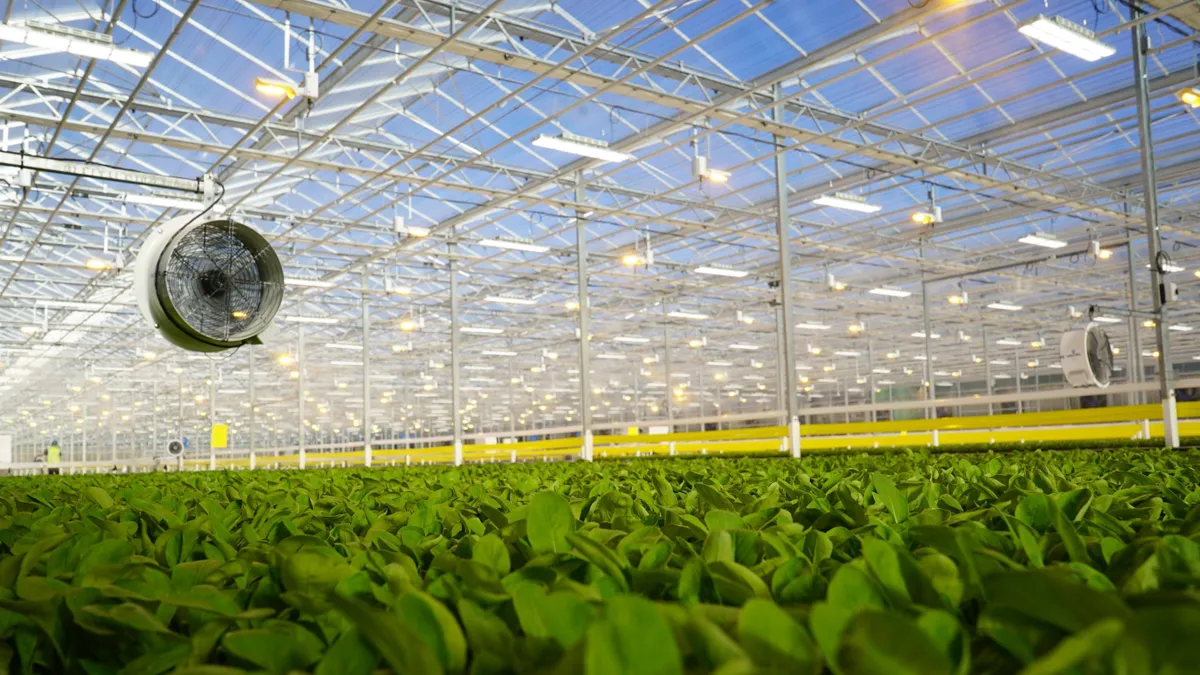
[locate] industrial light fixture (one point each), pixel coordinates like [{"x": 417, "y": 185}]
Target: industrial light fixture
[
  {"x": 394, "y": 289},
  {"x": 83, "y": 43},
  {"x": 346, "y": 363},
  {"x": 1042, "y": 240},
  {"x": 686, "y": 314},
  {"x": 957, "y": 299},
  {"x": 571, "y": 304},
  {"x": 1180, "y": 328},
  {"x": 890, "y": 292},
  {"x": 481, "y": 330},
  {"x": 497, "y": 352},
  {"x": 813, "y": 326},
  {"x": 743, "y": 347},
  {"x": 412, "y": 230},
  {"x": 612, "y": 357},
  {"x": 306, "y": 283},
  {"x": 1099, "y": 251},
  {"x": 719, "y": 364},
  {"x": 1170, "y": 268},
  {"x": 348, "y": 346},
  {"x": 269, "y": 86},
  {"x": 721, "y": 271},
  {"x": 274, "y": 87},
  {"x": 510, "y": 300},
  {"x": 1009, "y": 342},
  {"x": 701, "y": 171},
  {"x": 1005, "y": 307},
  {"x": 849, "y": 202},
  {"x": 932, "y": 336},
  {"x": 1067, "y": 36},
  {"x": 1106, "y": 319},
  {"x": 845, "y": 353},
  {"x": 930, "y": 217},
  {"x": 631, "y": 339},
  {"x": 97, "y": 264},
  {"x": 1189, "y": 97},
  {"x": 581, "y": 145},
  {"x": 322, "y": 320},
  {"x": 513, "y": 244}
]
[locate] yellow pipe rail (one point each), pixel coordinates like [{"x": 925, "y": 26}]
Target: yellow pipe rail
[{"x": 1118, "y": 423}]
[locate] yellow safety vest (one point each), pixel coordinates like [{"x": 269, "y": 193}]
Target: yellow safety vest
[{"x": 52, "y": 455}]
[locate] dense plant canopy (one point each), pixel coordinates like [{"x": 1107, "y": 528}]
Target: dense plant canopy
[{"x": 1070, "y": 562}]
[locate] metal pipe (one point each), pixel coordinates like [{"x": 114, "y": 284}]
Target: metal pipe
[
  {"x": 783, "y": 230},
  {"x": 1154, "y": 244}
]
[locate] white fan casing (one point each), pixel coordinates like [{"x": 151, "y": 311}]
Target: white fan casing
[
  {"x": 150, "y": 294},
  {"x": 1076, "y": 366},
  {"x": 174, "y": 447}
]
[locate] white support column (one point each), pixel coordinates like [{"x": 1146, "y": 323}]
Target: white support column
[
  {"x": 253, "y": 402},
  {"x": 871, "y": 378},
  {"x": 1166, "y": 375},
  {"x": 300, "y": 429},
  {"x": 987, "y": 368},
  {"x": 366, "y": 374},
  {"x": 783, "y": 231},
  {"x": 112, "y": 425},
  {"x": 212, "y": 413},
  {"x": 1137, "y": 371},
  {"x": 455, "y": 351},
  {"x": 585, "y": 369},
  {"x": 667, "y": 372},
  {"x": 154, "y": 416},
  {"x": 83, "y": 458}
]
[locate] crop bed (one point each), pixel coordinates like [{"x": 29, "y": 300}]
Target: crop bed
[{"x": 1039, "y": 563}]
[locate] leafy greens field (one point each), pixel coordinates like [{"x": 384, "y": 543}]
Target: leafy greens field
[{"x": 1072, "y": 562}]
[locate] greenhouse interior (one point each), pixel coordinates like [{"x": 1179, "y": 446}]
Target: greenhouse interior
[{"x": 637, "y": 337}]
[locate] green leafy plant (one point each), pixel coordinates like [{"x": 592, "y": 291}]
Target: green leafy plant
[{"x": 851, "y": 563}]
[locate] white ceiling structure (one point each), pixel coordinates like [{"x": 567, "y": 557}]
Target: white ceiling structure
[{"x": 427, "y": 111}]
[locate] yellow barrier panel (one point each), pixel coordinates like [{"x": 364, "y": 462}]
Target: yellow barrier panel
[{"x": 219, "y": 438}]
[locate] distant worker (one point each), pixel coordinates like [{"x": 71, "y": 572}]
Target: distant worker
[{"x": 53, "y": 459}]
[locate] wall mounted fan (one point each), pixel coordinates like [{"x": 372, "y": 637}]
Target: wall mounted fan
[
  {"x": 208, "y": 284},
  {"x": 1087, "y": 357}
]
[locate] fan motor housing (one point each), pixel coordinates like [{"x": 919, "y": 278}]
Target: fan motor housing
[
  {"x": 1086, "y": 357},
  {"x": 220, "y": 300}
]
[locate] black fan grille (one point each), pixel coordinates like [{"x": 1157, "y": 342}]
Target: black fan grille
[
  {"x": 1100, "y": 356},
  {"x": 218, "y": 283}
]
